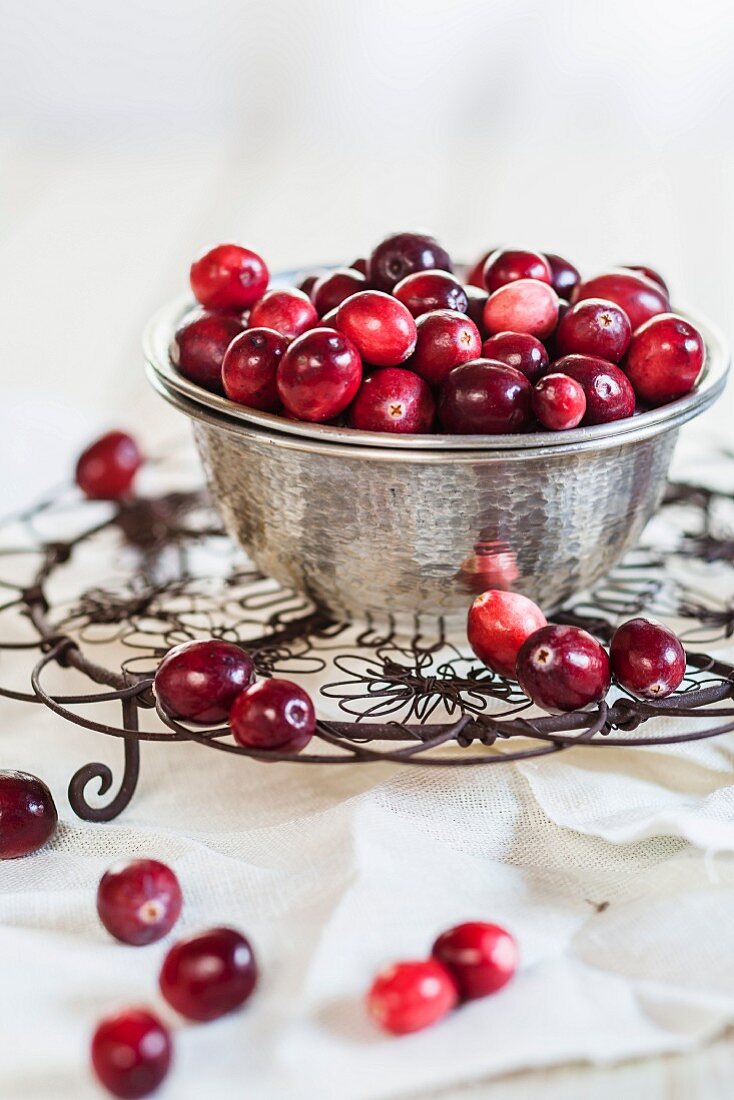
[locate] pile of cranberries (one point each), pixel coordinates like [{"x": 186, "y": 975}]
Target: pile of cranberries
[{"x": 398, "y": 343}]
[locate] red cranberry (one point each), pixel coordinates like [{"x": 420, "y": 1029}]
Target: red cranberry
[
  {"x": 289, "y": 312},
  {"x": 638, "y": 296},
  {"x": 559, "y": 402},
  {"x": 498, "y": 624},
  {"x": 518, "y": 350},
  {"x": 273, "y": 715},
  {"x": 28, "y": 816},
  {"x": 198, "y": 347},
  {"x": 381, "y": 328},
  {"x": 427, "y": 291},
  {"x": 476, "y": 301},
  {"x": 229, "y": 277},
  {"x": 526, "y": 305},
  {"x": 250, "y": 367},
  {"x": 445, "y": 339},
  {"x": 107, "y": 468},
  {"x": 360, "y": 265},
  {"x": 648, "y": 659},
  {"x": 481, "y": 957},
  {"x": 509, "y": 264},
  {"x": 131, "y": 1053},
  {"x": 209, "y": 974},
  {"x": 139, "y": 901},
  {"x": 564, "y": 276},
  {"x": 484, "y": 397},
  {"x": 649, "y": 273},
  {"x": 393, "y": 399},
  {"x": 334, "y": 286},
  {"x": 665, "y": 359},
  {"x": 563, "y": 668},
  {"x": 476, "y": 274},
  {"x": 319, "y": 375},
  {"x": 401, "y": 254},
  {"x": 199, "y": 681},
  {"x": 609, "y": 395},
  {"x": 308, "y": 282},
  {"x": 409, "y": 996},
  {"x": 594, "y": 327}
]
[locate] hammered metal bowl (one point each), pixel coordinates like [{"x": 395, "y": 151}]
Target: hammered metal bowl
[{"x": 371, "y": 525}]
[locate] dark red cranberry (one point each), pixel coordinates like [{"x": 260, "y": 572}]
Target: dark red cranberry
[
  {"x": 564, "y": 276},
  {"x": 273, "y": 715},
  {"x": 476, "y": 301},
  {"x": 401, "y": 254},
  {"x": 308, "y": 282},
  {"x": 445, "y": 340},
  {"x": 409, "y": 996},
  {"x": 563, "y": 668},
  {"x": 289, "y": 312},
  {"x": 649, "y": 273},
  {"x": 139, "y": 901},
  {"x": 559, "y": 402},
  {"x": 638, "y": 296},
  {"x": 507, "y": 265},
  {"x": 481, "y": 957},
  {"x": 360, "y": 265},
  {"x": 199, "y": 681},
  {"x": 427, "y": 291},
  {"x": 107, "y": 468},
  {"x": 609, "y": 395},
  {"x": 665, "y": 358},
  {"x": 476, "y": 273},
  {"x": 485, "y": 397},
  {"x": 380, "y": 327},
  {"x": 198, "y": 347},
  {"x": 319, "y": 375},
  {"x": 28, "y": 816},
  {"x": 648, "y": 659},
  {"x": 209, "y": 974},
  {"x": 250, "y": 367},
  {"x": 519, "y": 350},
  {"x": 131, "y": 1053},
  {"x": 334, "y": 286},
  {"x": 550, "y": 341},
  {"x": 229, "y": 277},
  {"x": 526, "y": 305},
  {"x": 393, "y": 399},
  {"x": 594, "y": 327},
  {"x": 498, "y": 624}
]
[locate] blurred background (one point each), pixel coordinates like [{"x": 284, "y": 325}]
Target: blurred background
[{"x": 131, "y": 136}]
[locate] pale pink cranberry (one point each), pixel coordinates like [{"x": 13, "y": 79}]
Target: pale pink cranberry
[
  {"x": 380, "y": 327},
  {"x": 508, "y": 264},
  {"x": 559, "y": 402},
  {"x": 319, "y": 375},
  {"x": 393, "y": 399},
  {"x": 498, "y": 624},
  {"x": 444, "y": 340},
  {"x": 409, "y": 996},
  {"x": 638, "y": 296},
  {"x": 563, "y": 668},
  {"x": 518, "y": 350},
  {"x": 289, "y": 312},
  {"x": 250, "y": 368},
  {"x": 229, "y": 277},
  {"x": 526, "y": 305},
  {"x": 665, "y": 359},
  {"x": 608, "y": 391},
  {"x": 481, "y": 957}
]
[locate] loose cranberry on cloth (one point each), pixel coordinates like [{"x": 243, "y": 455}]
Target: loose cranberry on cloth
[
  {"x": 229, "y": 277},
  {"x": 393, "y": 399},
  {"x": 648, "y": 659},
  {"x": 107, "y": 468},
  {"x": 319, "y": 375},
  {"x": 482, "y": 958},
  {"x": 665, "y": 358},
  {"x": 498, "y": 624},
  {"x": 198, "y": 681},
  {"x": 409, "y": 996},
  {"x": 209, "y": 974},
  {"x": 139, "y": 901},
  {"x": 199, "y": 344},
  {"x": 131, "y": 1053},
  {"x": 28, "y": 816},
  {"x": 563, "y": 668}
]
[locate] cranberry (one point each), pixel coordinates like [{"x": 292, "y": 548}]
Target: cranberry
[
  {"x": 393, "y": 399},
  {"x": 563, "y": 668},
  {"x": 139, "y": 901},
  {"x": 484, "y": 397},
  {"x": 564, "y": 276},
  {"x": 199, "y": 681},
  {"x": 360, "y": 265},
  {"x": 638, "y": 296},
  {"x": 289, "y": 312},
  {"x": 250, "y": 367},
  {"x": 481, "y": 957},
  {"x": 527, "y": 305},
  {"x": 198, "y": 347},
  {"x": 509, "y": 264},
  {"x": 492, "y": 564},
  {"x": 476, "y": 301},
  {"x": 594, "y": 327},
  {"x": 445, "y": 339},
  {"x": 559, "y": 402},
  {"x": 131, "y": 1053},
  {"x": 28, "y": 816},
  {"x": 426, "y": 291},
  {"x": 229, "y": 277},
  {"x": 334, "y": 286},
  {"x": 319, "y": 375},
  {"x": 476, "y": 274},
  {"x": 401, "y": 254},
  {"x": 107, "y": 468},
  {"x": 649, "y": 273},
  {"x": 208, "y": 974},
  {"x": 518, "y": 350},
  {"x": 648, "y": 659},
  {"x": 409, "y": 996},
  {"x": 498, "y": 624},
  {"x": 550, "y": 341},
  {"x": 609, "y": 395},
  {"x": 273, "y": 715},
  {"x": 380, "y": 327},
  {"x": 665, "y": 359},
  {"x": 308, "y": 282}
]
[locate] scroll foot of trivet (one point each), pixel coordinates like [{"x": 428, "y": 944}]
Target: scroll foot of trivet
[{"x": 90, "y": 772}]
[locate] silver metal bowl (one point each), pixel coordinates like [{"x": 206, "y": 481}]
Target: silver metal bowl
[{"x": 367, "y": 523}]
